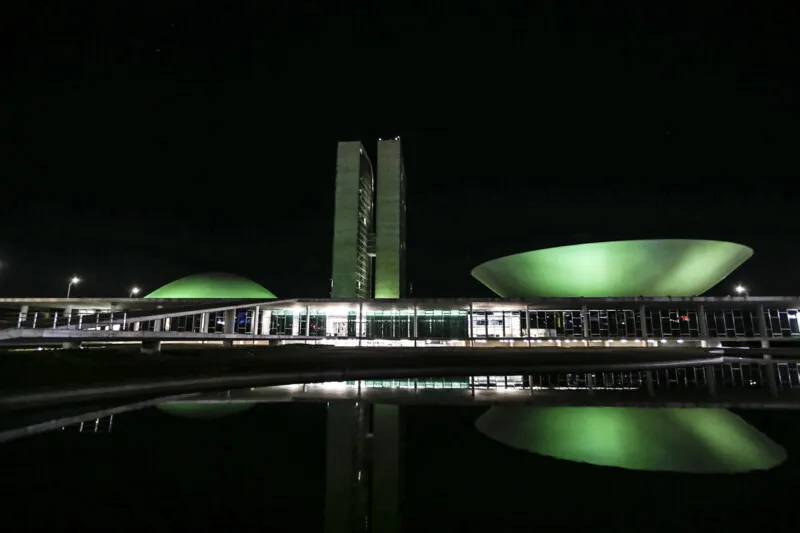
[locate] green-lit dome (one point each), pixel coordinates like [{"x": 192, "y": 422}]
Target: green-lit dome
[
  {"x": 679, "y": 440},
  {"x": 213, "y": 285},
  {"x": 661, "y": 267}
]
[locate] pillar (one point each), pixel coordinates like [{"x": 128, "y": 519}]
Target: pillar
[
  {"x": 230, "y": 321},
  {"x": 308, "y": 321},
  {"x": 643, "y": 322},
  {"x": 68, "y": 315},
  {"x": 528, "y": 323},
  {"x": 587, "y": 330},
  {"x": 769, "y": 375},
  {"x": 255, "y": 322},
  {"x": 204, "y": 322},
  {"x": 711, "y": 379},
  {"x": 23, "y": 313},
  {"x": 414, "y": 333},
  {"x": 702, "y": 324},
  {"x": 137, "y": 326},
  {"x": 762, "y": 327},
  {"x": 157, "y": 324}
]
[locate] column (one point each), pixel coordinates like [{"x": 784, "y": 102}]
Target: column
[
  {"x": 23, "y": 313},
  {"x": 308, "y": 321},
  {"x": 360, "y": 324},
  {"x": 230, "y": 321},
  {"x": 204, "y": 322},
  {"x": 769, "y": 364},
  {"x": 702, "y": 324},
  {"x": 643, "y": 322},
  {"x": 68, "y": 315},
  {"x": 587, "y": 331},
  {"x": 137, "y": 326},
  {"x": 762, "y": 326},
  {"x": 255, "y": 321},
  {"x": 651, "y": 386},
  {"x": 528, "y": 323},
  {"x": 415, "y": 332},
  {"x": 471, "y": 324},
  {"x": 711, "y": 379},
  {"x": 157, "y": 324}
]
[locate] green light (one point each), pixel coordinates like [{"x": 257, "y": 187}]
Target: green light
[
  {"x": 679, "y": 440},
  {"x": 205, "y": 410},
  {"x": 212, "y": 286},
  {"x": 669, "y": 267}
]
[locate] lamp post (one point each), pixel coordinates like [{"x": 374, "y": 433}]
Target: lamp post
[
  {"x": 134, "y": 292},
  {"x": 74, "y": 281},
  {"x": 742, "y": 290}
]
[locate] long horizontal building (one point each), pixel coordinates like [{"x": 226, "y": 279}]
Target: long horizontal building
[{"x": 454, "y": 322}]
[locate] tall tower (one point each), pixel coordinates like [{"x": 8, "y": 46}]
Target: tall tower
[
  {"x": 353, "y": 223},
  {"x": 390, "y": 238}
]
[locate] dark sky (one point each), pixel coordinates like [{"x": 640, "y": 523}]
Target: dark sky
[{"x": 145, "y": 143}]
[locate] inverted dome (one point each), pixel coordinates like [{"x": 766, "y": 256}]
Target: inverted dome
[
  {"x": 213, "y": 285},
  {"x": 663, "y": 267},
  {"x": 679, "y": 440}
]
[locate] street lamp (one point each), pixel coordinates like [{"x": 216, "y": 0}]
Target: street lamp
[
  {"x": 134, "y": 292},
  {"x": 74, "y": 281},
  {"x": 742, "y": 290}
]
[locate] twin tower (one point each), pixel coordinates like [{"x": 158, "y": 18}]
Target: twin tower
[{"x": 369, "y": 227}]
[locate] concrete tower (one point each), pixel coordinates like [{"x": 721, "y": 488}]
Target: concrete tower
[
  {"x": 390, "y": 237},
  {"x": 352, "y": 225}
]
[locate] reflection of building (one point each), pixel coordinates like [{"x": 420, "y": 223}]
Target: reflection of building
[{"x": 364, "y": 467}]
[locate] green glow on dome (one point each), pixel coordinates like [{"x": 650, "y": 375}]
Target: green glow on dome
[
  {"x": 666, "y": 267},
  {"x": 212, "y": 285},
  {"x": 679, "y": 440},
  {"x": 205, "y": 410}
]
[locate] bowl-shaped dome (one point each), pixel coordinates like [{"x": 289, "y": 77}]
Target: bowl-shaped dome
[
  {"x": 664, "y": 267},
  {"x": 212, "y": 285},
  {"x": 679, "y": 440}
]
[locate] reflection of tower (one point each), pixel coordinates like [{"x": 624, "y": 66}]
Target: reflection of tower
[
  {"x": 390, "y": 225},
  {"x": 352, "y": 278},
  {"x": 352, "y": 223},
  {"x": 363, "y": 489}
]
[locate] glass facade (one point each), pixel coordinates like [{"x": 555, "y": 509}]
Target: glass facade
[{"x": 403, "y": 322}]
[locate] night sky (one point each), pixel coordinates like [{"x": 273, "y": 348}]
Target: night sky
[{"x": 144, "y": 144}]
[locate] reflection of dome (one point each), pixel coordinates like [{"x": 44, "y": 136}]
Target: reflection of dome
[
  {"x": 213, "y": 285},
  {"x": 666, "y": 267},
  {"x": 205, "y": 410},
  {"x": 681, "y": 440}
]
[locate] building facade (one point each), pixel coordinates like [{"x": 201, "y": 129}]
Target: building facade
[
  {"x": 352, "y": 269},
  {"x": 390, "y": 237}
]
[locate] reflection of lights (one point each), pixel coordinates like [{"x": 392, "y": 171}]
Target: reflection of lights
[{"x": 680, "y": 341}]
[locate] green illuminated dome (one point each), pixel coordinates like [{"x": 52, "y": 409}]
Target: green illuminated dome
[
  {"x": 664, "y": 267},
  {"x": 679, "y": 440},
  {"x": 205, "y": 410},
  {"x": 212, "y": 285}
]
